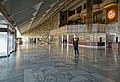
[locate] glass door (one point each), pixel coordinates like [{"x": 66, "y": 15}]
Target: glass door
[
  {"x": 3, "y": 44},
  {"x": 10, "y": 43}
]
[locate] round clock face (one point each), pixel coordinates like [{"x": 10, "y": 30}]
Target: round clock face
[{"x": 111, "y": 14}]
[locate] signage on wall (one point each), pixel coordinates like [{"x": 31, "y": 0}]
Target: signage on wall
[{"x": 111, "y": 14}]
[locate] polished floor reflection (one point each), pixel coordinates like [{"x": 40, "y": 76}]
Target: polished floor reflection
[{"x": 57, "y": 63}]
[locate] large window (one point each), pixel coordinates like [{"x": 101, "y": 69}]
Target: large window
[
  {"x": 6, "y": 37},
  {"x": 10, "y": 43},
  {"x": 70, "y": 13},
  {"x": 3, "y": 43},
  {"x": 97, "y": 1},
  {"x": 3, "y": 26},
  {"x": 97, "y": 17},
  {"x": 79, "y": 9},
  {"x": 63, "y": 18},
  {"x": 85, "y": 5},
  {"x": 6, "y": 41}
]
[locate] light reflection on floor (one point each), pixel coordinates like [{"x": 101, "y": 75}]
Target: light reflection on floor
[{"x": 56, "y": 63}]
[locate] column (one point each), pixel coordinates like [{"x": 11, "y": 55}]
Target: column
[
  {"x": 119, "y": 16},
  {"x": 15, "y": 40},
  {"x": 75, "y": 11},
  {"x": 89, "y": 9},
  {"x": 119, "y": 24},
  {"x": 62, "y": 38},
  {"x": 8, "y": 34},
  {"x": 36, "y": 40},
  {"x": 67, "y": 50},
  {"x": 49, "y": 38},
  {"x": 67, "y": 38},
  {"x": 74, "y": 35}
]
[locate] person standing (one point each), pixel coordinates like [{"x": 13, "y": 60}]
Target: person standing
[{"x": 75, "y": 45}]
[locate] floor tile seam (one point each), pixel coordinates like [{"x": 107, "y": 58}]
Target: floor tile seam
[
  {"x": 7, "y": 79},
  {"x": 98, "y": 71},
  {"x": 70, "y": 62}
]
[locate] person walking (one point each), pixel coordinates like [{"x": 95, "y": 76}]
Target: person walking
[{"x": 75, "y": 45}]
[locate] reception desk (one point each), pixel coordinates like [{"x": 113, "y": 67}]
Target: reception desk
[
  {"x": 91, "y": 44},
  {"x": 116, "y": 46}
]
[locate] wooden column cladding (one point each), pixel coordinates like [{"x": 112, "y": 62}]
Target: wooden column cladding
[
  {"x": 119, "y": 16},
  {"x": 89, "y": 7}
]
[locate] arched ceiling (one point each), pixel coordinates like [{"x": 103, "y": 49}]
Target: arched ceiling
[{"x": 27, "y": 14}]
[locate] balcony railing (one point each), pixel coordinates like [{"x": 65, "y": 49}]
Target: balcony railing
[
  {"x": 96, "y": 28},
  {"x": 106, "y": 2},
  {"x": 83, "y": 11},
  {"x": 101, "y": 5},
  {"x": 75, "y": 16},
  {"x": 96, "y": 6}
]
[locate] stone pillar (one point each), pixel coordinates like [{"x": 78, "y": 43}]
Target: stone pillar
[
  {"x": 62, "y": 38},
  {"x": 67, "y": 50},
  {"x": 49, "y": 38},
  {"x": 8, "y": 33},
  {"x": 15, "y": 40},
  {"x": 36, "y": 40},
  {"x": 74, "y": 35},
  {"x": 119, "y": 16},
  {"x": 89, "y": 9},
  {"x": 75, "y": 11},
  {"x": 67, "y": 38}
]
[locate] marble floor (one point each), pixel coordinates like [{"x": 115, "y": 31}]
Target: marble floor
[{"x": 56, "y": 63}]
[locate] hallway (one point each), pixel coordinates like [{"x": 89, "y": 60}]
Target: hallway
[{"x": 56, "y": 63}]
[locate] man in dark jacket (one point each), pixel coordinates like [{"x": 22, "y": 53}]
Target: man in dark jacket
[{"x": 75, "y": 44}]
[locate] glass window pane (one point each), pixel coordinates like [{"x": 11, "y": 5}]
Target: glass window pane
[
  {"x": 3, "y": 43},
  {"x": 3, "y": 26},
  {"x": 11, "y": 43}
]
